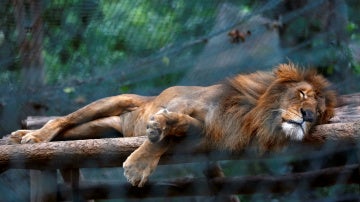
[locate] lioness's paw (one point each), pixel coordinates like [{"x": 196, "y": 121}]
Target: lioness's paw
[
  {"x": 156, "y": 126},
  {"x": 137, "y": 172}
]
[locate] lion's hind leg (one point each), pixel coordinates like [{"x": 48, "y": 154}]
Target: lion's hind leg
[
  {"x": 16, "y": 136},
  {"x": 106, "y": 107},
  {"x": 166, "y": 123},
  {"x": 96, "y": 129}
]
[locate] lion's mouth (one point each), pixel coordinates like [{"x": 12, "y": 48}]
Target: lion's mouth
[{"x": 293, "y": 129}]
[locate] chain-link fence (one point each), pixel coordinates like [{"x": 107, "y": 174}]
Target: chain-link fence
[{"x": 56, "y": 56}]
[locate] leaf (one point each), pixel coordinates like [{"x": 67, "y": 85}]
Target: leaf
[
  {"x": 69, "y": 90},
  {"x": 166, "y": 60}
]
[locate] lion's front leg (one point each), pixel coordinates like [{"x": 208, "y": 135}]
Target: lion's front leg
[
  {"x": 167, "y": 123},
  {"x": 143, "y": 161}
]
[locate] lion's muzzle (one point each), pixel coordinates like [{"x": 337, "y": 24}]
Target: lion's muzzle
[{"x": 307, "y": 115}]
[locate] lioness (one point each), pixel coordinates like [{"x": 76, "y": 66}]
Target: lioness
[{"x": 267, "y": 109}]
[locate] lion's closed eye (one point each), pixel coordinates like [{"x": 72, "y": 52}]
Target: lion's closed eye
[{"x": 302, "y": 95}]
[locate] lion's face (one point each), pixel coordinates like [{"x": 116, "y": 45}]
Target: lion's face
[
  {"x": 305, "y": 101},
  {"x": 299, "y": 110}
]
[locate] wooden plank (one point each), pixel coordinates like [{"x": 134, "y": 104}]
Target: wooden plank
[
  {"x": 43, "y": 185},
  {"x": 69, "y": 154},
  {"x": 224, "y": 186},
  {"x": 71, "y": 178},
  {"x": 111, "y": 152}
]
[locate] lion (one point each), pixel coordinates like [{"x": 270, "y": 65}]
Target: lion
[{"x": 266, "y": 109}]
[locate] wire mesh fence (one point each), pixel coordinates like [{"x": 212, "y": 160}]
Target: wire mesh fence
[{"x": 73, "y": 52}]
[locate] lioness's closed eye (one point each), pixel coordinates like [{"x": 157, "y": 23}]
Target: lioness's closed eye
[{"x": 268, "y": 109}]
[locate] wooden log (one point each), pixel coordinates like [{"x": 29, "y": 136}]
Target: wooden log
[
  {"x": 350, "y": 99},
  {"x": 35, "y": 122},
  {"x": 69, "y": 154},
  {"x": 112, "y": 152},
  {"x": 43, "y": 185},
  {"x": 224, "y": 186},
  {"x": 336, "y": 131}
]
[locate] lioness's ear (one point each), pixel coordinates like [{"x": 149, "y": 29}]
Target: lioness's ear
[{"x": 287, "y": 72}]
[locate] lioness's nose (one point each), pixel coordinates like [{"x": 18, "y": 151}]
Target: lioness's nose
[{"x": 307, "y": 115}]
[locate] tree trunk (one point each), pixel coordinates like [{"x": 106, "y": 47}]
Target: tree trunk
[{"x": 29, "y": 26}]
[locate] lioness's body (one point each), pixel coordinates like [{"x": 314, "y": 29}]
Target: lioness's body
[{"x": 264, "y": 108}]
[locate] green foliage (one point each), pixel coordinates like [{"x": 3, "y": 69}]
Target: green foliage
[
  {"x": 83, "y": 38},
  {"x": 69, "y": 90},
  {"x": 356, "y": 67},
  {"x": 81, "y": 43}
]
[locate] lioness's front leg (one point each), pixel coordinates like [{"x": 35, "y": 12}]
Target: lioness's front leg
[{"x": 142, "y": 162}]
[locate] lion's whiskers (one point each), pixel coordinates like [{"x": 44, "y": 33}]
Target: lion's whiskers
[{"x": 283, "y": 110}]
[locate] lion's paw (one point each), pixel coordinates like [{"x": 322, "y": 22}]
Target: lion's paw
[
  {"x": 30, "y": 138},
  {"x": 156, "y": 126},
  {"x": 25, "y": 136},
  {"x": 154, "y": 131},
  {"x": 16, "y": 136},
  {"x": 137, "y": 172}
]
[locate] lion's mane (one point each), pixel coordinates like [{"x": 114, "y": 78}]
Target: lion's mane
[{"x": 249, "y": 108}]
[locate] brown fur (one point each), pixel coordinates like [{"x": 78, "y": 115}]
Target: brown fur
[
  {"x": 250, "y": 107},
  {"x": 267, "y": 109}
]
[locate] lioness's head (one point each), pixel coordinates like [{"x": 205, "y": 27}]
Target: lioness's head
[{"x": 304, "y": 100}]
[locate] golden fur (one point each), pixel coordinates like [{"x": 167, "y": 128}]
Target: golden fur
[{"x": 267, "y": 109}]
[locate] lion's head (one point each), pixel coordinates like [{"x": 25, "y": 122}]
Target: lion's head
[
  {"x": 305, "y": 101},
  {"x": 296, "y": 100},
  {"x": 276, "y": 106}
]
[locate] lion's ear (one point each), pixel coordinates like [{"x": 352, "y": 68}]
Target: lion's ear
[{"x": 287, "y": 73}]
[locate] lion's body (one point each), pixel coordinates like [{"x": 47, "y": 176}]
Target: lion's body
[
  {"x": 198, "y": 102},
  {"x": 267, "y": 109}
]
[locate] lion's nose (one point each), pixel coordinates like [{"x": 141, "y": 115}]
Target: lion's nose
[{"x": 307, "y": 115}]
